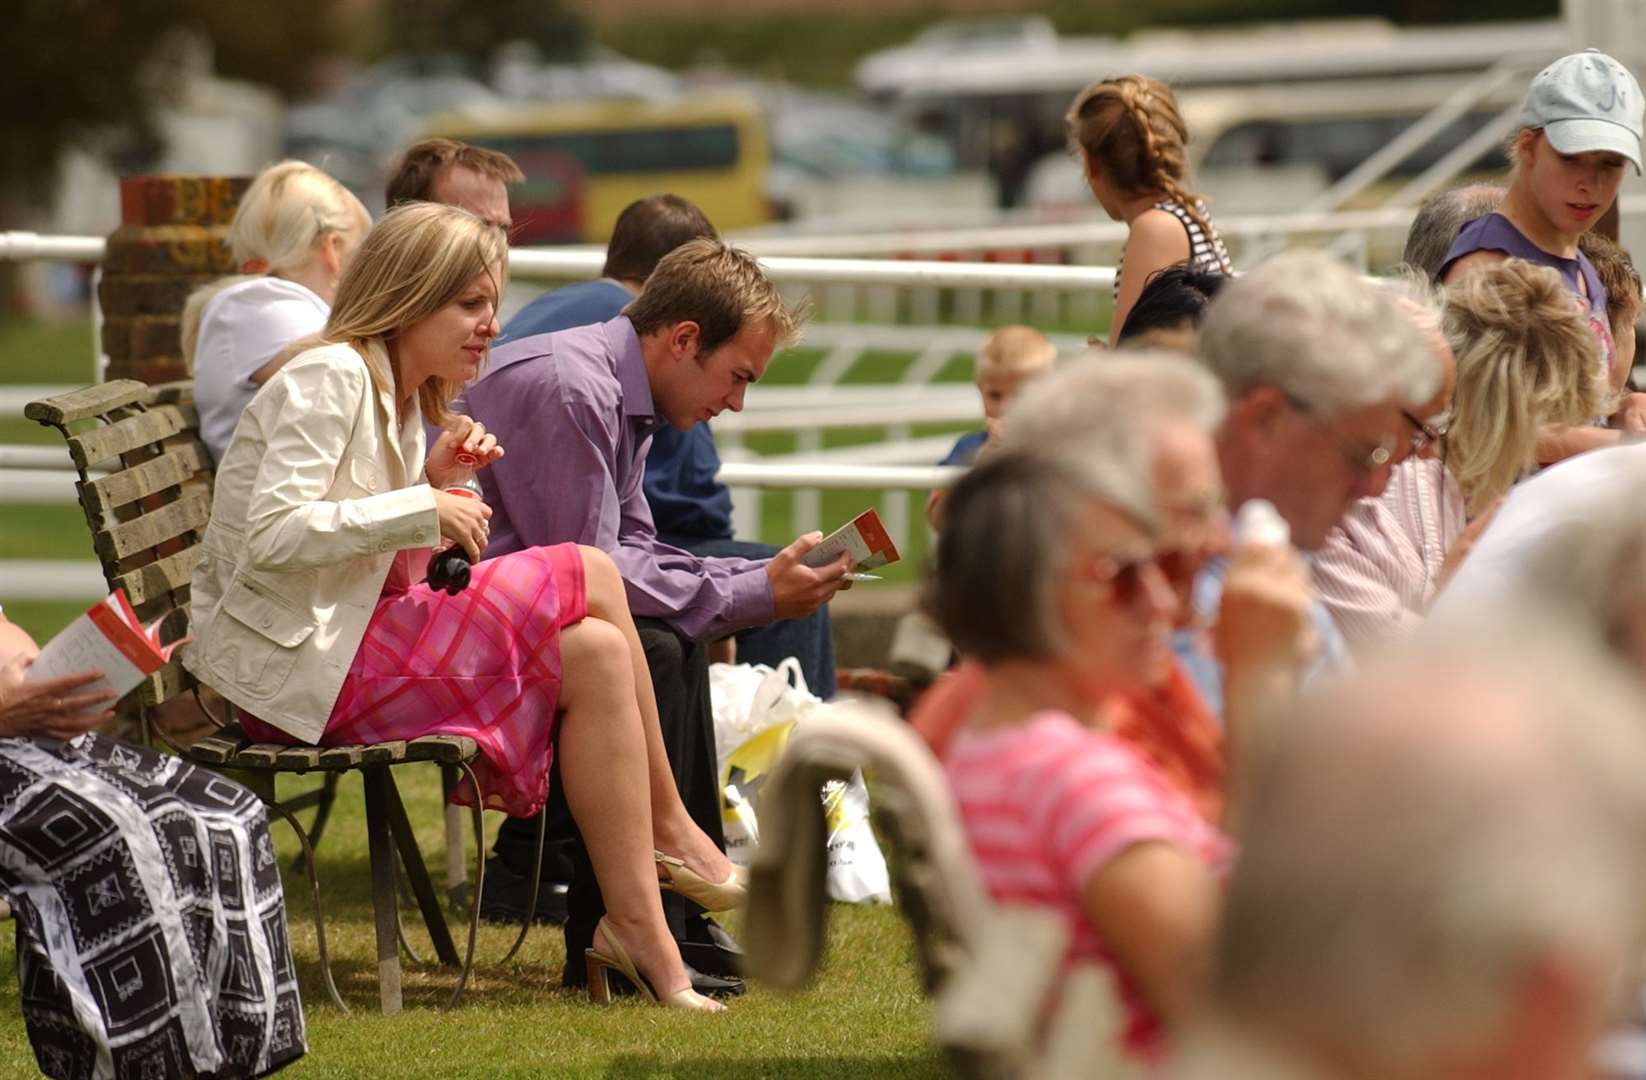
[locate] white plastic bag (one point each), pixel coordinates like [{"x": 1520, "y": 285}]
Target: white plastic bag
[{"x": 755, "y": 709}]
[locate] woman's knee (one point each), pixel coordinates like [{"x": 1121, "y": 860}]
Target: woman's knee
[
  {"x": 593, "y": 653},
  {"x": 601, "y": 580}
]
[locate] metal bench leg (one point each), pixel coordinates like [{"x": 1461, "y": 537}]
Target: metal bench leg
[
  {"x": 457, "y": 869},
  {"x": 479, "y": 882},
  {"x": 537, "y": 883},
  {"x": 322, "y": 811},
  {"x": 385, "y": 904},
  {"x": 314, "y": 891},
  {"x": 418, "y": 875}
]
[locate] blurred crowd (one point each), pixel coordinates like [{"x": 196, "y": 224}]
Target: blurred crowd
[{"x": 1294, "y": 632}]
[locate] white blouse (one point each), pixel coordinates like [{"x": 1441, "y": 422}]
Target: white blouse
[{"x": 241, "y": 329}]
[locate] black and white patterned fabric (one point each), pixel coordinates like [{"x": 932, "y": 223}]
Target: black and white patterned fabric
[
  {"x": 1206, "y": 251},
  {"x": 151, "y": 927}
]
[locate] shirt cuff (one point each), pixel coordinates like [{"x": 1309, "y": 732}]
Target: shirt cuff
[
  {"x": 752, "y": 603},
  {"x": 405, "y": 518}
]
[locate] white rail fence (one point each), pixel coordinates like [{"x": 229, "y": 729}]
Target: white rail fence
[{"x": 892, "y": 362}]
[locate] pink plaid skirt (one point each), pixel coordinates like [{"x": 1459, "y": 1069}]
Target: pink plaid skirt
[{"x": 484, "y": 663}]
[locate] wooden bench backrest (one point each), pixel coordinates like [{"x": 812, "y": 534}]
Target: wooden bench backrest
[{"x": 145, "y": 486}]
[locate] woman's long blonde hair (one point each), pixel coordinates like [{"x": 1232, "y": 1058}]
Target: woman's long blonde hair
[
  {"x": 276, "y": 230},
  {"x": 414, "y": 262},
  {"x": 1130, "y": 125},
  {"x": 1526, "y": 357}
]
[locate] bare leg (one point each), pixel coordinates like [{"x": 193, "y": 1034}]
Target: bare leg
[
  {"x": 603, "y": 767},
  {"x": 673, "y": 830}
]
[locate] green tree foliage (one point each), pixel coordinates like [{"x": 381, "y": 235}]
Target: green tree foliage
[
  {"x": 74, "y": 74},
  {"x": 436, "y": 29},
  {"x": 90, "y": 73},
  {"x": 279, "y": 44}
]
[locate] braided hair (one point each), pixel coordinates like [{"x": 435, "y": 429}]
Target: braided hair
[{"x": 1130, "y": 125}]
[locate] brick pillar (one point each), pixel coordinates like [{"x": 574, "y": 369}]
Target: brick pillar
[{"x": 172, "y": 238}]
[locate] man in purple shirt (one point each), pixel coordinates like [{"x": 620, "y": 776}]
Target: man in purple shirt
[{"x": 577, "y": 410}]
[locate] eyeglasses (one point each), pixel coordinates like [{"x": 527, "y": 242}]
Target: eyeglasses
[
  {"x": 1356, "y": 453},
  {"x": 1425, "y": 435},
  {"x": 1126, "y": 578}
]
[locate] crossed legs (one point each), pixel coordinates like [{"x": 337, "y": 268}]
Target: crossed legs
[
  {"x": 673, "y": 830},
  {"x": 617, "y": 779}
]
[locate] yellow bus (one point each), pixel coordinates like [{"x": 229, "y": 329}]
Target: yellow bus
[{"x": 586, "y": 160}]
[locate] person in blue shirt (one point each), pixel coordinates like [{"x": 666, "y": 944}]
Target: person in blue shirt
[{"x": 1008, "y": 357}]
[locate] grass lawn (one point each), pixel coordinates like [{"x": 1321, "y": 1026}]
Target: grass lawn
[{"x": 863, "y": 1017}]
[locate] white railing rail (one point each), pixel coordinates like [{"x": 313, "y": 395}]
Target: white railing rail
[
  {"x": 580, "y": 263},
  {"x": 947, "y": 234},
  {"x": 891, "y": 366}
]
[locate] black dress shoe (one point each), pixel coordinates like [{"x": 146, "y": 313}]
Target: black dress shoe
[
  {"x": 505, "y": 894},
  {"x": 708, "y": 985},
  {"x": 710, "y": 949}
]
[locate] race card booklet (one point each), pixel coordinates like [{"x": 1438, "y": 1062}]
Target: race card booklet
[
  {"x": 108, "y": 638},
  {"x": 864, "y": 536}
]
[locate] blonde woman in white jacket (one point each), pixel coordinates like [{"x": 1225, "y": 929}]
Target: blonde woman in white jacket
[{"x": 310, "y": 616}]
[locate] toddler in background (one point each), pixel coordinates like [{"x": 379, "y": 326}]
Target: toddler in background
[{"x": 1007, "y": 359}]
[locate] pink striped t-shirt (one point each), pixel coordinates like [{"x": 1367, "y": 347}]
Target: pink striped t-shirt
[{"x": 1047, "y": 804}]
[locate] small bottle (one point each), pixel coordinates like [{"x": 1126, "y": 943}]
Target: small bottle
[
  {"x": 1258, "y": 522},
  {"x": 449, "y": 569}
]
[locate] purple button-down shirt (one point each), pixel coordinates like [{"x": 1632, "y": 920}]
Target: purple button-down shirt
[{"x": 574, "y": 412}]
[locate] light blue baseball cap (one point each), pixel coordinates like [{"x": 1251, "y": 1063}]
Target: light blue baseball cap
[{"x": 1587, "y": 102}]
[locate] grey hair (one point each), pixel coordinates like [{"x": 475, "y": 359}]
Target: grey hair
[
  {"x": 1003, "y": 551},
  {"x": 1305, "y": 324},
  {"x": 1426, "y": 298},
  {"x": 1102, "y": 409},
  {"x": 1103, "y": 390},
  {"x": 1438, "y": 220},
  {"x": 1417, "y": 839}
]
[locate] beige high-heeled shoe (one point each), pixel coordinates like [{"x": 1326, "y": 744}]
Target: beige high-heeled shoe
[
  {"x": 713, "y": 896},
  {"x": 602, "y": 964}
]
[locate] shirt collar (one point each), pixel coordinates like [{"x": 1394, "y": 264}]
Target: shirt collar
[{"x": 631, "y": 371}]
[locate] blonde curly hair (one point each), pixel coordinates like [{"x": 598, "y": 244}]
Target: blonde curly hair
[{"x": 1526, "y": 358}]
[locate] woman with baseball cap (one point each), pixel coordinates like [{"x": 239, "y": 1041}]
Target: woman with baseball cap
[{"x": 1580, "y": 126}]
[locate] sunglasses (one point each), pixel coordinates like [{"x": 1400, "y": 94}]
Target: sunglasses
[{"x": 1127, "y": 579}]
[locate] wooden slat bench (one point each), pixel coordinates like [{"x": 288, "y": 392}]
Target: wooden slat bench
[{"x": 145, "y": 486}]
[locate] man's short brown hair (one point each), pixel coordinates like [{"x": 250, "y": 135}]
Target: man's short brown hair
[
  {"x": 413, "y": 179},
  {"x": 649, "y": 229},
  {"x": 720, "y": 288}
]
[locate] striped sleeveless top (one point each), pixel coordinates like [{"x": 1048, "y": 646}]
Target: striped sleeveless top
[{"x": 1206, "y": 252}]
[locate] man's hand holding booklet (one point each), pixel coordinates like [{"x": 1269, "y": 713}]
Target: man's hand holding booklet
[{"x": 864, "y": 537}]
